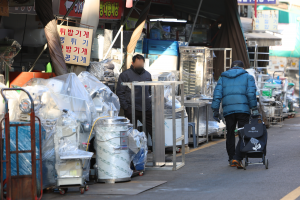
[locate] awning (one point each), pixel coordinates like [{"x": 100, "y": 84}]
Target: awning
[{"x": 262, "y": 39}]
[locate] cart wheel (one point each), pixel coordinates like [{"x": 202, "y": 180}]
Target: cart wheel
[
  {"x": 86, "y": 188},
  {"x": 244, "y": 164},
  {"x": 141, "y": 173},
  {"x": 267, "y": 164},
  {"x": 62, "y": 191},
  {"x": 81, "y": 190}
]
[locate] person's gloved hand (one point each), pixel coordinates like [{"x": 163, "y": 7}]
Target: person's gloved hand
[
  {"x": 217, "y": 116},
  {"x": 255, "y": 112}
]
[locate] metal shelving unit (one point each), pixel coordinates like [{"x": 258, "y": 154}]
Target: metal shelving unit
[{"x": 158, "y": 126}]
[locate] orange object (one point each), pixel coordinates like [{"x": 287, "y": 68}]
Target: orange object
[{"x": 20, "y": 78}]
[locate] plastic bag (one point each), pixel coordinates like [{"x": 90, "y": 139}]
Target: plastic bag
[
  {"x": 103, "y": 98},
  {"x": 102, "y": 69},
  {"x": 139, "y": 150}
]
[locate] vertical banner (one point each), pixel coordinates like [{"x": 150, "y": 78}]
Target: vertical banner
[
  {"x": 76, "y": 44},
  {"x": 4, "y": 10}
]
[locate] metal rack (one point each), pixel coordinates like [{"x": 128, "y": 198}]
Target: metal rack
[
  {"x": 225, "y": 56},
  {"x": 256, "y": 64},
  {"x": 157, "y": 89},
  {"x": 196, "y": 70}
]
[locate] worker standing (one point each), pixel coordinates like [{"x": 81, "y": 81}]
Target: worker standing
[
  {"x": 237, "y": 91},
  {"x": 136, "y": 73}
]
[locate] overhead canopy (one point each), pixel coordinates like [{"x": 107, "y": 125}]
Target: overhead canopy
[
  {"x": 209, "y": 9},
  {"x": 262, "y": 39},
  {"x": 256, "y": 37}
]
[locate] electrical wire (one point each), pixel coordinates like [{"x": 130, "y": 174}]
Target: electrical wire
[{"x": 87, "y": 147}]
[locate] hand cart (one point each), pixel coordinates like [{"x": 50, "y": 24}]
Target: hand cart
[{"x": 20, "y": 186}]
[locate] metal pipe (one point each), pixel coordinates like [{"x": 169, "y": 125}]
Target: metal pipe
[
  {"x": 44, "y": 49},
  {"x": 174, "y": 126},
  {"x": 45, "y": 46},
  {"x": 153, "y": 123},
  {"x": 113, "y": 42},
  {"x": 144, "y": 110},
  {"x": 183, "y": 123},
  {"x": 121, "y": 29},
  {"x": 133, "y": 106},
  {"x": 207, "y": 108},
  {"x": 195, "y": 21},
  {"x": 121, "y": 48}
]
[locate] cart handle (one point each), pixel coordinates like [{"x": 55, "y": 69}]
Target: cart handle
[{"x": 6, "y": 100}]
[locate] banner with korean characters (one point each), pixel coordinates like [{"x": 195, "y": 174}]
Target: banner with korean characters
[
  {"x": 76, "y": 44},
  {"x": 109, "y": 9},
  {"x": 267, "y": 20}
]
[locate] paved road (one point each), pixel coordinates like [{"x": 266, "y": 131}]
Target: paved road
[{"x": 208, "y": 176}]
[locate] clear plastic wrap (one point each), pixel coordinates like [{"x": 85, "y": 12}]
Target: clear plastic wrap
[
  {"x": 66, "y": 111},
  {"x": 12, "y": 97},
  {"x": 138, "y": 149},
  {"x": 70, "y": 94},
  {"x": 103, "y": 98},
  {"x": 103, "y": 69},
  {"x": 169, "y": 76}
]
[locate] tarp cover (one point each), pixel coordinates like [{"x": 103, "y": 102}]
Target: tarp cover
[{"x": 230, "y": 36}]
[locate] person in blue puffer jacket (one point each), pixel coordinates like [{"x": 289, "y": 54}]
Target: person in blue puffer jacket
[{"x": 236, "y": 90}]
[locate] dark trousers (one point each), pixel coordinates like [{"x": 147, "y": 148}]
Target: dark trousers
[
  {"x": 138, "y": 116},
  {"x": 231, "y": 121}
]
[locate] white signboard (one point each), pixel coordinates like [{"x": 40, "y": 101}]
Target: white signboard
[
  {"x": 267, "y": 20},
  {"x": 76, "y": 44}
]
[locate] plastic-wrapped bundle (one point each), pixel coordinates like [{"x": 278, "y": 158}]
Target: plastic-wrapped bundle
[
  {"x": 169, "y": 76},
  {"x": 11, "y": 49},
  {"x": 70, "y": 94},
  {"x": 102, "y": 69},
  {"x": 60, "y": 122},
  {"x": 102, "y": 96},
  {"x": 13, "y": 98},
  {"x": 138, "y": 141},
  {"x": 213, "y": 127}
]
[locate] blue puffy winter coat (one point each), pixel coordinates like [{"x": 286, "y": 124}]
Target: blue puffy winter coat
[{"x": 237, "y": 91}]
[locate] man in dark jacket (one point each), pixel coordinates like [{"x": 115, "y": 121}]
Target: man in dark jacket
[
  {"x": 136, "y": 73},
  {"x": 237, "y": 91}
]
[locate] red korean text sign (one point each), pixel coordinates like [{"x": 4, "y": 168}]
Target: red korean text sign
[
  {"x": 76, "y": 44},
  {"x": 109, "y": 9}
]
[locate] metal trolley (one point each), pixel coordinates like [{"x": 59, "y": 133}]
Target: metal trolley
[
  {"x": 158, "y": 131},
  {"x": 21, "y": 186}
]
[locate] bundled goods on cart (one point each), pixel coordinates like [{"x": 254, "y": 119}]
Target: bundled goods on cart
[
  {"x": 272, "y": 88},
  {"x": 66, "y": 111}
]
